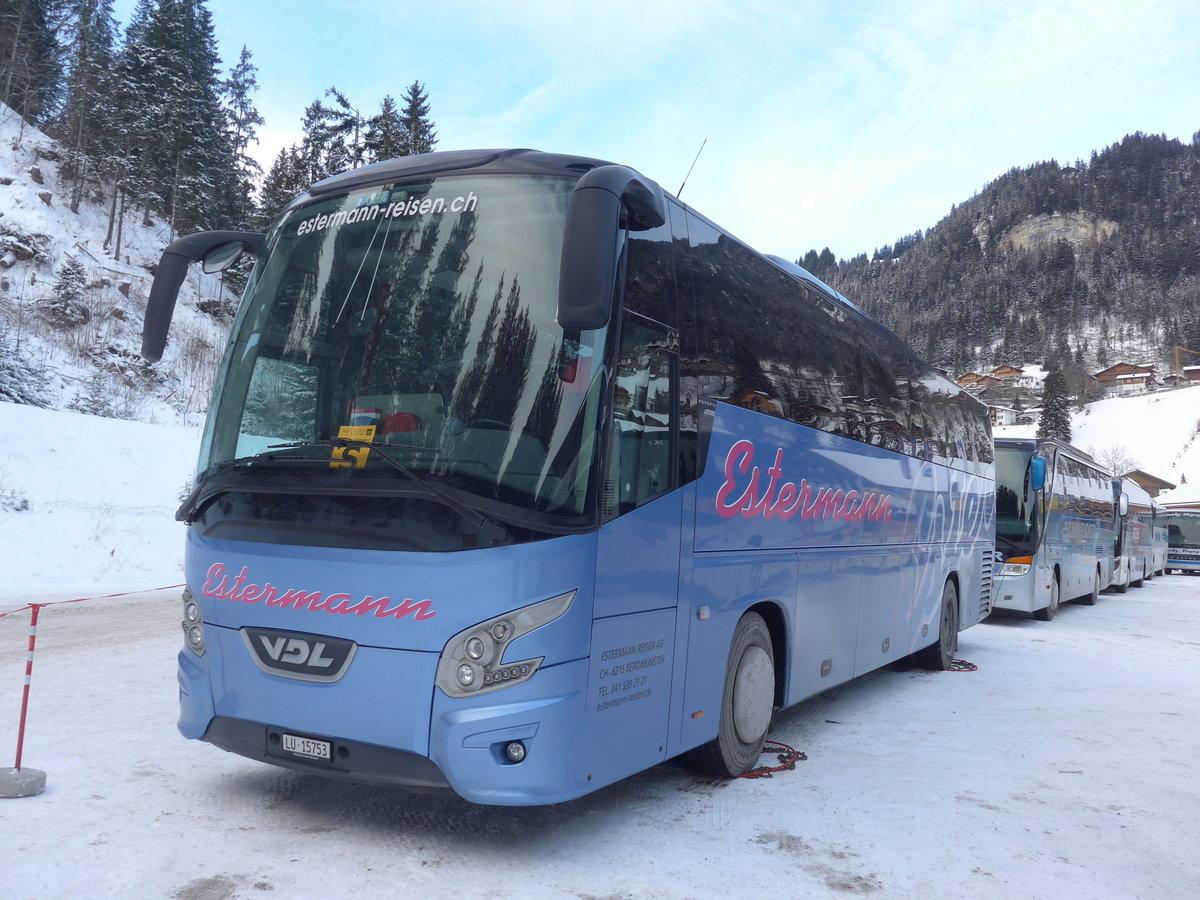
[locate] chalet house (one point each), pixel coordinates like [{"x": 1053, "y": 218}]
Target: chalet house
[
  {"x": 967, "y": 379},
  {"x": 982, "y": 383},
  {"x": 1126, "y": 378},
  {"x": 1191, "y": 374},
  {"x": 1002, "y": 415},
  {"x": 1150, "y": 483},
  {"x": 1007, "y": 373}
]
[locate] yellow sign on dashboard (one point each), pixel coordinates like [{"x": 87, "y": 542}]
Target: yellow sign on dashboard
[{"x": 357, "y": 455}]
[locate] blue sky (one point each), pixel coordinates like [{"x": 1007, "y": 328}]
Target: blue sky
[{"x": 846, "y": 123}]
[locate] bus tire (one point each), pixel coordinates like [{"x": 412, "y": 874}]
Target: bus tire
[
  {"x": 1122, "y": 587},
  {"x": 940, "y": 655},
  {"x": 747, "y": 703},
  {"x": 1090, "y": 599},
  {"x": 1141, "y": 581},
  {"x": 1046, "y": 613}
]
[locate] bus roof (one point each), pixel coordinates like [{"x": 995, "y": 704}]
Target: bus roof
[{"x": 519, "y": 161}]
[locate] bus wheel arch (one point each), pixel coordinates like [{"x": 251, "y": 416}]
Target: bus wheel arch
[
  {"x": 748, "y": 701},
  {"x": 939, "y": 655},
  {"x": 1046, "y": 613}
]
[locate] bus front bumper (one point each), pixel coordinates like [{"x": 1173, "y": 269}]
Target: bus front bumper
[
  {"x": 429, "y": 743},
  {"x": 1022, "y": 593}
]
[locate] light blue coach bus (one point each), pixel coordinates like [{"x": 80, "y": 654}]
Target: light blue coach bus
[
  {"x": 1183, "y": 540},
  {"x": 1055, "y": 526},
  {"x": 521, "y": 476},
  {"x": 1140, "y": 538}
]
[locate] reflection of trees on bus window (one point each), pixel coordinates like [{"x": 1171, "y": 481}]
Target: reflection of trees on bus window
[
  {"x": 755, "y": 336},
  {"x": 641, "y": 459}
]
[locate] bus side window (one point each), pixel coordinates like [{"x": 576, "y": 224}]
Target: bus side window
[{"x": 641, "y": 443}]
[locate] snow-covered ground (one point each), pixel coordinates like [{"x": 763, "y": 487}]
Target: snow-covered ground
[
  {"x": 1064, "y": 767},
  {"x": 100, "y": 496}
]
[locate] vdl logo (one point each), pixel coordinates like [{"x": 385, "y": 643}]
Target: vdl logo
[{"x": 291, "y": 654}]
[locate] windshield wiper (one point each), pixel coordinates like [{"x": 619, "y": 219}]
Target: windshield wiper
[
  {"x": 489, "y": 527},
  {"x": 188, "y": 507}
]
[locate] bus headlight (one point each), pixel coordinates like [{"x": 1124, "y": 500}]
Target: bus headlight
[
  {"x": 1017, "y": 565},
  {"x": 193, "y": 623},
  {"x": 473, "y": 660}
]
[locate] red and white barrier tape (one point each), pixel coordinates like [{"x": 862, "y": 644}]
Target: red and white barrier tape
[
  {"x": 85, "y": 599},
  {"x": 33, "y": 620}
]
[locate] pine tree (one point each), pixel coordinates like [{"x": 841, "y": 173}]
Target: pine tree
[
  {"x": 419, "y": 134},
  {"x": 20, "y": 380},
  {"x": 385, "y": 133},
  {"x": 31, "y": 57},
  {"x": 178, "y": 154},
  {"x": 243, "y": 119},
  {"x": 345, "y": 129},
  {"x": 96, "y": 400},
  {"x": 319, "y": 154},
  {"x": 1056, "y": 408},
  {"x": 65, "y": 307},
  {"x": 87, "y": 120},
  {"x": 287, "y": 178}
]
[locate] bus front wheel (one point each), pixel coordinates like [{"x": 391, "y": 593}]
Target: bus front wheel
[
  {"x": 939, "y": 656},
  {"x": 1046, "y": 613},
  {"x": 747, "y": 703}
]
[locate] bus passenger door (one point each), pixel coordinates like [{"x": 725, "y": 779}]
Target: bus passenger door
[{"x": 637, "y": 560}]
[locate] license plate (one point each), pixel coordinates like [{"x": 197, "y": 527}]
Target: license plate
[{"x": 307, "y": 748}]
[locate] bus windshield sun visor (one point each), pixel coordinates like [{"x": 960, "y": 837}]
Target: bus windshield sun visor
[
  {"x": 589, "y": 255},
  {"x": 172, "y": 268}
]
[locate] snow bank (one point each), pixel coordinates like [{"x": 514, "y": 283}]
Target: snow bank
[{"x": 87, "y": 503}]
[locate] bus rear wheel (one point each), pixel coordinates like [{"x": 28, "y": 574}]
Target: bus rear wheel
[
  {"x": 746, "y": 703},
  {"x": 1046, "y": 613},
  {"x": 1090, "y": 599},
  {"x": 940, "y": 655}
]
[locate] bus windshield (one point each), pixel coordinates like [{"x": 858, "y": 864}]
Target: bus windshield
[
  {"x": 1016, "y": 503},
  {"x": 416, "y": 320},
  {"x": 1183, "y": 531}
]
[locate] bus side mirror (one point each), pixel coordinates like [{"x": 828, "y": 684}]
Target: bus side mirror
[
  {"x": 1037, "y": 473},
  {"x": 224, "y": 247},
  {"x": 588, "y": 269},
  {"x": 218, "y": 259},
  {"x": 1123, "y": 505}
]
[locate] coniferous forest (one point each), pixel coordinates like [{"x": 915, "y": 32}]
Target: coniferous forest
[
  {"x": 150, "y": 119},
  {"x": 1078, "y": 266}
]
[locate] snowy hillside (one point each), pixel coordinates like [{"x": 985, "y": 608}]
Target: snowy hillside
[
  {"x": 1158, "y": 430},
  {"x": 83, "y": 351}
]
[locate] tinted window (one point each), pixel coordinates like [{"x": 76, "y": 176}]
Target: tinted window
[{"x": 756, "y": 337}]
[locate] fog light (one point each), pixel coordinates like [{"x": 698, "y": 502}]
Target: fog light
[
  {"x": 515, "y": 751},
  {"x": 466, "y": 675}
]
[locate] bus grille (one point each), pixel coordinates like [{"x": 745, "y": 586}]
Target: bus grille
[{"x": 985, "y": 584}]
